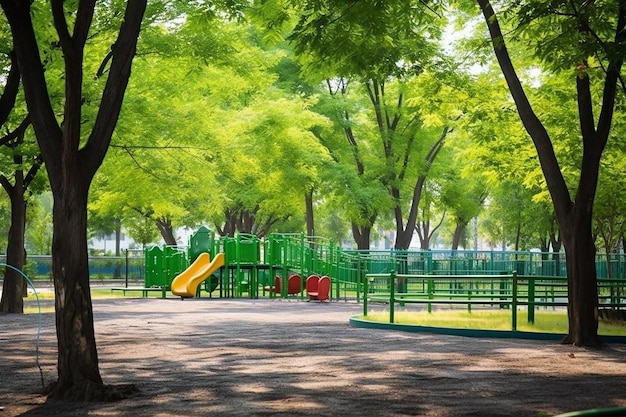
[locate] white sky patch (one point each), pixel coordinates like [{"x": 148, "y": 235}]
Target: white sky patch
[
  {"x": 533, "y": 75},
  {"x": 452, "y": 35}
]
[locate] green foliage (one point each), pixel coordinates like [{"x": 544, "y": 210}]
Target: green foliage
[
  {"x": 5, "y": 221},
  {"x": 565, "y": 34},
  {"x": 39, "y": 225},
  {"x": 367, "y": 39}
]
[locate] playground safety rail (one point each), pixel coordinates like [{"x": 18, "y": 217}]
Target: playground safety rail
[{"x": 505, "y": 291}]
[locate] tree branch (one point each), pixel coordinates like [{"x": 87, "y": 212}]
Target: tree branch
[
  {"x": 32, "y": 172},
  {"x": 17, "y": 133},
  {"x": 43, "y": 117},
  {"x": 113, "y": 94},
  {"x": 545, "y": 151},
  {"x": 11, "y": 88}
]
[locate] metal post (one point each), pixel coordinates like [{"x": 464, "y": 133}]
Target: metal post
[
  {"x": 392, "y": 296},
  {"x": 126, "y": 268},
  {"x": 514, "y": 303},
  {"x": 365, "y": 293},
  {"x": 531, "y": 299}
]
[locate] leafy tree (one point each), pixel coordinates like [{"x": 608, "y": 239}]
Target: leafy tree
[
  {"x": 587, "y": 40},
  {"x": 72, "y": 152},
  {"x": 39, "y": 226},
  {"x": 355, "y": 186},
  {"x": 22, "y": 165},
  {"x": 142, "y": 230},
  {"x": 161, "y": 171},
  {"x": 389, "y": 50},
  {"x": 463, "y": 197},
  {"x": 610, "y": 206},
  {"x": 432, "y": 216},
  {"x": 271, "y": 162}
]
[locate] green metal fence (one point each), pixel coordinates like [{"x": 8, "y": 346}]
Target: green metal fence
[
  {"x": 282, "y": 254},
  {"x": 504, "y": 291}
]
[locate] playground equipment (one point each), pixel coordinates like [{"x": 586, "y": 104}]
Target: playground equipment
[
  {"x": 249, "y": 265},
  {"x": 294, "y": 285},
  {"x": 255, "y": 267},
  {"x": 186, "y": 283},
  {"x": 318, "y": 288}
]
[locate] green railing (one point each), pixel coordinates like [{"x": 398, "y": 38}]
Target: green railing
[{"x": 502, "y": 291}]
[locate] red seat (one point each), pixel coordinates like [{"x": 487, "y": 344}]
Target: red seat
[
  {"x": 318, "y": 288},
  {"x": 323, "y": 288},
  {"x": 277, "y": 288},
  {"x": 311, "y": 284},
  {"x": 294, "y": 284}
]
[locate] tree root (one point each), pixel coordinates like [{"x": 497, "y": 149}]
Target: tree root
[
  {"x": 91, "y": 392},
  {"x": 596, "y": 343}
]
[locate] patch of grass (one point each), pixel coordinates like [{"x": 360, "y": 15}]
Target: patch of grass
[
  {"x": 32, "y": 308},
  {"x": 35, "y": 310},
  {"x": 545, "y": 321},
  {"x": 95, "y": 294}
]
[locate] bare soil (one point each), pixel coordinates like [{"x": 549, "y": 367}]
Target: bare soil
[{"x": 218, "y": 357}]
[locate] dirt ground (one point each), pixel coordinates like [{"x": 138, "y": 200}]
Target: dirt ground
[{"x": 217, "y": 357}]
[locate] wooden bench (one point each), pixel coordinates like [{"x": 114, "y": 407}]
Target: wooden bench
[{"x": 144, "y": 291}]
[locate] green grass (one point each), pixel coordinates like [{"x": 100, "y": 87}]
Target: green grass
[
  {"x": 100, "y": 293},
  {"x": 545, "y": 321}
]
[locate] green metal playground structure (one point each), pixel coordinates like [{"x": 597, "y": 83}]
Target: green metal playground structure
[{"x": 251, "y": 265}]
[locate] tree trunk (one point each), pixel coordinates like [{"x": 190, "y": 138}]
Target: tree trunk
[
  {"x": 518, "y": 234},
  {"x": 609, "y": 264},
  {"x": 555, "y": 242},
  {"x": 310, "y": 225},
  {"x": 582, "y": 303},
  {"x": 574, "y": 216},
  {"x": 404, "y": 235},
  {"x": 458, "y": 234},
  {"x": 423, "y": 231},
  {"x": 361, "y": 236},
  {"x": 230, "y": 224},
  {"x": 167, "y": 232},
  {"x": 79, "y": 375},
  {"x": 14, "y": 286},
  {"x": 71, "y": 161},
  {"x": 118, "y": 236}
]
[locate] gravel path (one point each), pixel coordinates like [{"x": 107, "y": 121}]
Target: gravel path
[{"x": 218, "y": 357}]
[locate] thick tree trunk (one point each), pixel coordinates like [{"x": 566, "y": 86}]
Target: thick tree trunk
[
  {"x": 581, "y": 282},
  {"x": 167, "y": 232},
  {"x": 79, "y": 376},
  {"x": 361, "y": 236},
  {"x": 14, "y": 287},
  {"x": 71, "y": 161},
  {"x": 574, "y": 216}
]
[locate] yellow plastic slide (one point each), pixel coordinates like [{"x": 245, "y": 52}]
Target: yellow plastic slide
[{"x": 186, "y": 283}]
